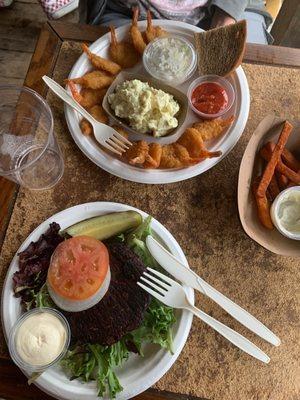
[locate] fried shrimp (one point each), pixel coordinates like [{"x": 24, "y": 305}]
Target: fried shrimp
[
  {"x": 153, "y": 157},
  {"x": 136, "y": 36},
  {"x": 93, "y": 80},
  {"x": 213, "y": 128},
  {"x": 136, "y": 154},
  {"x": 100, "y": 62},
  {"x": 99, "y": 114},
  {"x": 122, "y": 53},
  {"x": 87, "y": 98},
  {"x": 153, "y": 32},
  {"x": 176, "y": 156},
  {"x": 121, "y": 131},
  {"x": 192, "y": 140}
]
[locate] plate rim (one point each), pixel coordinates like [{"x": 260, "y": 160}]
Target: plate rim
[
  {"x": 162, "y": 176},
  {"x": 186, "y": 318}
]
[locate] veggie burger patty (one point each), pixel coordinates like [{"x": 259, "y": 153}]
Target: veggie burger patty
[{"x": 122, "y": 308}]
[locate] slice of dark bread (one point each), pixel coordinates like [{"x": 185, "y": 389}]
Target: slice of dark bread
[{"x": 221, "y": 50}]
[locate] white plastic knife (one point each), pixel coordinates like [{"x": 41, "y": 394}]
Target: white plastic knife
[{"x": 172, "y": 265}]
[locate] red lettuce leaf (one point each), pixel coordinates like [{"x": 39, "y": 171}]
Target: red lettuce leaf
[{"x": 34, "y": 263}]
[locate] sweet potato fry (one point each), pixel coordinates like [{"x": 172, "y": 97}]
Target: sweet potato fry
[
  {"x": 287, "y": 157},
  {"x": 263, "y": 206},
  {"x": 290, "y": 160},
  {"x": 273, "y": 188},
  {"x": 282, "y": 181},
  {"x": 266, "y": 153},
  {"x": 270, "y": 168}
]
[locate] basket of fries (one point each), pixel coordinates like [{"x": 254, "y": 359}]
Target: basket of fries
[{"x": 271, "y": 164}]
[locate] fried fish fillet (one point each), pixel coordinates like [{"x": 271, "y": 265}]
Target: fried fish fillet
[{"x": 213, "y": 128}]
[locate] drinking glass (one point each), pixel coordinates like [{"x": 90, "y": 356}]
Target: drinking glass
[{"x": 29, "y": 152}]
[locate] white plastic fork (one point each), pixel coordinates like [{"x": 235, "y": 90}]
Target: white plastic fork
[
  {"x": 104, "y": 134},
  {"x": 173, "y": 295}
]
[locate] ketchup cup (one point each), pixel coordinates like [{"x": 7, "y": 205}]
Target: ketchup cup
[{"x": 223, "y": 82}]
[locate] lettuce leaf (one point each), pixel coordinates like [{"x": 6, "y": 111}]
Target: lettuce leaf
[
  {"x": 136, "y": 240},
  {"x": 96, "y": 362}
]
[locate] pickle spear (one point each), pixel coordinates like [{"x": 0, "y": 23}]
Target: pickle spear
[{"x": 106, "y": 226}]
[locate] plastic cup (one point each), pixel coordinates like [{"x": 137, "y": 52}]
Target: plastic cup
[
  {"x": 30, "y": 368},
  {"x": 223, "y": 82},
  {"x": 29, "y": 152}
]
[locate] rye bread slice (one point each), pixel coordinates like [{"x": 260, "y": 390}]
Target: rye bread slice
[{"x": 221, "y": 50}]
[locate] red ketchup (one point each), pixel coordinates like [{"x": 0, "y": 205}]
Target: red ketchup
[{"x": 209, "y": 98}]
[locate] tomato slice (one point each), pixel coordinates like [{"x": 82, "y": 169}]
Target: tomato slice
[{"x": 78, "y": 267}]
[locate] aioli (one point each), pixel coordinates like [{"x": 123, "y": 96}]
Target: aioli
[
  {"x": 289, "y": 212},
  {"x": 40, "y": 339}
]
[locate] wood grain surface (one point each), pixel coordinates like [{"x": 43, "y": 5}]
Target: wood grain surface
[
  {"x": 14, "y": 386},
  {"x": 42, "y": 63},
  {"x": 255, "y": 53}
]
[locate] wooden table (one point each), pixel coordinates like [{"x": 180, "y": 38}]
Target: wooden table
[{"x": 13, "y": 384}]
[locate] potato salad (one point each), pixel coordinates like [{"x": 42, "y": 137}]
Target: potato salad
[{"x": 147, "y": 110}]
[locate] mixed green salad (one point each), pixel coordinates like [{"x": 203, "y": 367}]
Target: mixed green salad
[{"x": 95, "y": 362}]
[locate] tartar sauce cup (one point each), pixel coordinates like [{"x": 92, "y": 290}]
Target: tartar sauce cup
[
  {"x": 32, "y": 368},
  {"x": 223, "y": 83},
  {"x": 171, "y": 59},
  {"x": 285, "y": 211}
]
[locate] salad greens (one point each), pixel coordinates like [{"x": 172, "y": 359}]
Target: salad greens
[{"x": 96, "y": 362}]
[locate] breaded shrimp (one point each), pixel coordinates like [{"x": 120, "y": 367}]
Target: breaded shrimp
[
  {"x": 136, "y": 36},
  {"x": 121, "y": 131},
  {"x": 123, "y": 53},
  {"x": 153, "y": 32},
  {"x": 192, "y": 140},
  {"x": 154, "y": 156},
  {"x": 93, "y": 80},
  {"x": 100, "y": 62},
  {"x": 87, "y": 98},
  {"x": 176, "y": 156},
  {"x": 99, "y": 114},
  {"x": 213, "y": 128},
  {"x": 136, "y": 154}
]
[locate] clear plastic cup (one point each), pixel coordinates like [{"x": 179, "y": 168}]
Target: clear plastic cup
[
  {"x": 29, "y": 152},
  {"x": 223, "y": 82},
  {"x": 171, "y": 59},
  {"x": 30, "y": 368}
]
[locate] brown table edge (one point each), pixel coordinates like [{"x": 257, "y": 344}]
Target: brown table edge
[
  {"x": 255, "y": 53},
  {"x": 13, "y": 386}
]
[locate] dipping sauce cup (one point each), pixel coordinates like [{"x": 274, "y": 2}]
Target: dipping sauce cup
[
  {"x": 38, "y": 332},
  {"x": 211, "y": 96},
  {"x": 171, "y": 59},
  {"x": 285, "y": 212}
]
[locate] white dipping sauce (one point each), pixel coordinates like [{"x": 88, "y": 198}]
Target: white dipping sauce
[
  {"x": 170, "y": 58},
  {"x": 40, "y": 339},
  {"x": 288, "y": 213}
]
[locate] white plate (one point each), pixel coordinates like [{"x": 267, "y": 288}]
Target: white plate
[
  {"x": 131, "y": 173},
  {"x": 138, "y": 373}
]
